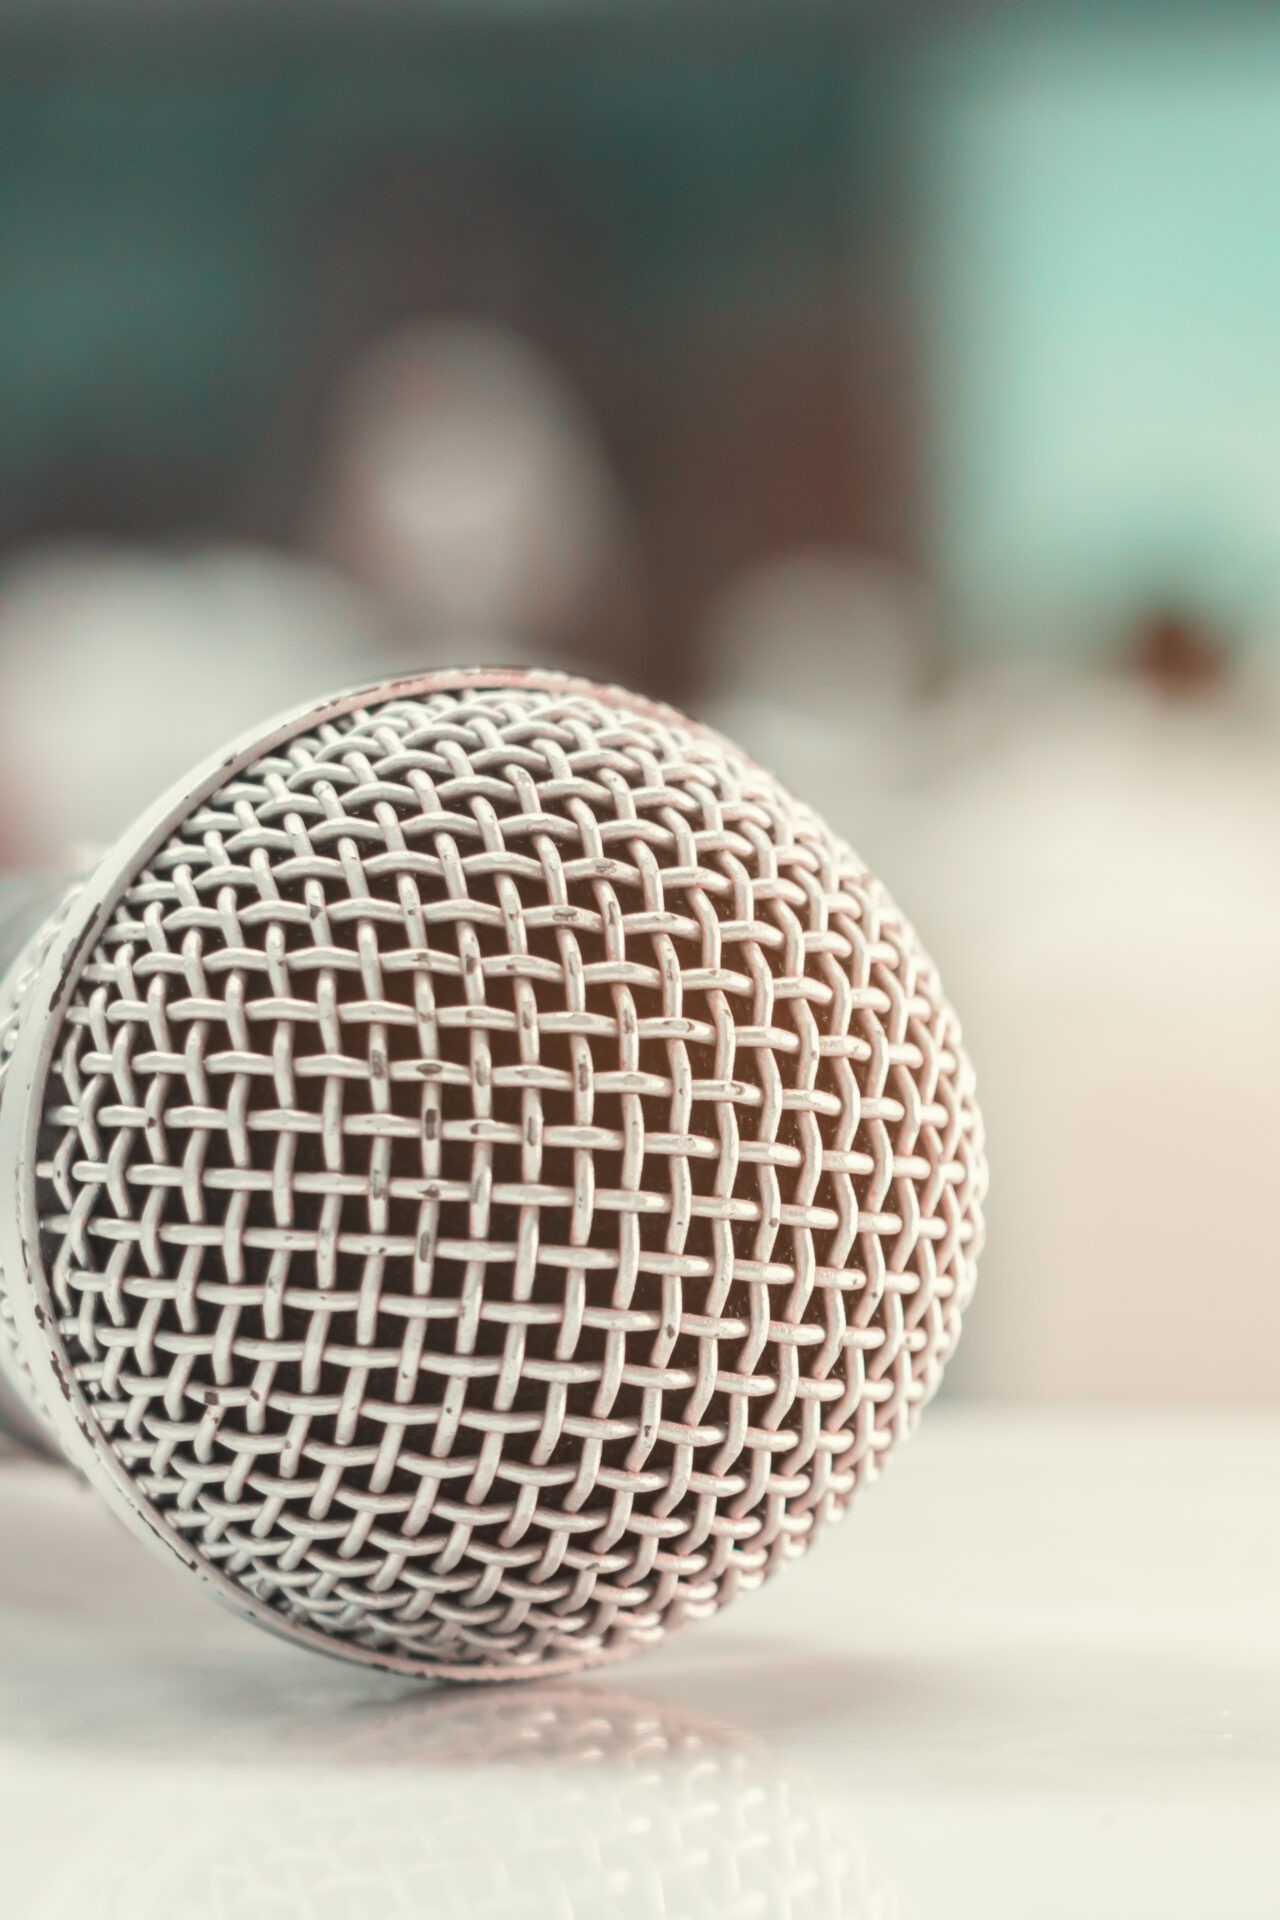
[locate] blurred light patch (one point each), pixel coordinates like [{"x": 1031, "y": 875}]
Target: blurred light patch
[
  {"x": 121, "y": 670},
  {"x": 816, "y": 661},
  {"x": 819, "y": 628},
  {"x": 1092, "y": 863},
  {"x": 467, "y": 488}
]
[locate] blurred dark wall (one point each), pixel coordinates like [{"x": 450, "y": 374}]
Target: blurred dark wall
[{"x": 204, "y": 219}]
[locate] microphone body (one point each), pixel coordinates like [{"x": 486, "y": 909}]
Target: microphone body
[
  {"x": 486, "y": 1175},
  {"x": 28, "y": 919}
]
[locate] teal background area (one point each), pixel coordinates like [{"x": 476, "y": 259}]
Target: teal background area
[
  {"x": 991, "y": 291},
  {"x": 1099, "y": 213}
]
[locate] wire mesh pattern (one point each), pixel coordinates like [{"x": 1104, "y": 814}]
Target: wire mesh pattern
[{"x": 507, "y": 1174}]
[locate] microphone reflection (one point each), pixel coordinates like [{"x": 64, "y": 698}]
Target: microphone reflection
[
  {"x": 157, "y": 1764},
  {"x": 564, "y": 1802}
]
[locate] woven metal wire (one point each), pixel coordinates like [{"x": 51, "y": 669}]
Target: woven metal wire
[{"x": 507, "y": 1173}]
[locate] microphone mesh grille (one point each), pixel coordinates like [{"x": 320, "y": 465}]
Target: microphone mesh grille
[{"x": 505, "y": 1175}]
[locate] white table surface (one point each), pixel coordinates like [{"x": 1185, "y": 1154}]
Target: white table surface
[{"x": 1036, "y": 1674}]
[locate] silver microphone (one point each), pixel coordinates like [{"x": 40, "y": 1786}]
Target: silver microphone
[{"x": 487, "y": 1175}]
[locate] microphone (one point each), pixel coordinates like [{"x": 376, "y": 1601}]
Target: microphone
[{"x": 485, "y": 1175}]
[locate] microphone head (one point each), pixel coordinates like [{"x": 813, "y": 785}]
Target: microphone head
[{"x": 489, "y": 1174}]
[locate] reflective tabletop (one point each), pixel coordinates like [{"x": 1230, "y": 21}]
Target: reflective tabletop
[{"x": 1035, "y": 1674}]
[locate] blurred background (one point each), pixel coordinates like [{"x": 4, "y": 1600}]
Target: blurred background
[{"x": 898, "y": 389}]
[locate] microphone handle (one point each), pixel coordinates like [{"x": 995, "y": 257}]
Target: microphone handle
[{"x": 27, "y": 903}]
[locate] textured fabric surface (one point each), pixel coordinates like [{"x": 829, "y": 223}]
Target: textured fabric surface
[{"x": 507, "y": 1174}]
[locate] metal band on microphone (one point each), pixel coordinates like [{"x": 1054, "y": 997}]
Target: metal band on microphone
[{"x": 31, "y": 908}]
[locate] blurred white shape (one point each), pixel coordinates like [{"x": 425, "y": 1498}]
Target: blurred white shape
[
  {"x": 821, "y": 629},
  {"x": 1094, "y": 867},
  {"x": 468, "y": 489},
  {"x": 815, "y": 663},
  {"x": 120, "y": 671}
]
